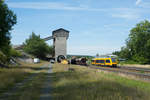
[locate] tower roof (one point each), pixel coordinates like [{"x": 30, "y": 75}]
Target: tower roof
[{"x": 60, "y": 29}]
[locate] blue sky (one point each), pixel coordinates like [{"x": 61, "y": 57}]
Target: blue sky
[{"x": 96, "y": 26}]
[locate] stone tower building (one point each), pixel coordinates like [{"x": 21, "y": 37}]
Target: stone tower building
[{"x": 60, "y": 37}]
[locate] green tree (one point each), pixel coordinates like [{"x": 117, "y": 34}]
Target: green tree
[
  {"x": 138, "y": 43},
  {"x": 37, "y": 46},
  {"x": 116, "y": 53},
  {"x": 125, "y": 53},
  {"x": 7, "y": 20}
]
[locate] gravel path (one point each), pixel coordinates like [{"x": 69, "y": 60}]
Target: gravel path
[{"x": 46, "y": 90}]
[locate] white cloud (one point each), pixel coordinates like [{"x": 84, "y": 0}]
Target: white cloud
[
  {"x": 145, "y": 5},
  {"x": 49, "y": 5},
  {"x": 138, "y": 2},
  {"x": 126, "y": 15}
]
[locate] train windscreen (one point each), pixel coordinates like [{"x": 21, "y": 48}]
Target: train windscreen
[{"x": 113, "y": 59}]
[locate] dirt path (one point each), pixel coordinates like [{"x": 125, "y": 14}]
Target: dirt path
[
  {"x": 10, "y": 93},
  {"x": 46, "y": 90}
]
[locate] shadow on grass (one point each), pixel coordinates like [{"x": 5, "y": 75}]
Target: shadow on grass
[
  {"x": 30, "y": 88},
  {"x": 77, "y": 86},
  {"x": 15, "y": 79},
  {"x": 32, "y": 68}
]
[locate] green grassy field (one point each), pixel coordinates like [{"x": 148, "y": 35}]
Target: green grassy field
[
  {"x": 89, "y": 84},
  {"x": 79, "y": 83},
  {"x": 10, "y": 76},
  {"x": 31, "y": 90}
]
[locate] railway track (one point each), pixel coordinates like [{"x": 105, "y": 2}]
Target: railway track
[
  {"x": 142, "y": 73},
  {"x": 135, "y": 68}
]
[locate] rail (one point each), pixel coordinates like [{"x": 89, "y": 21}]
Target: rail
[{"x": 120, "y": 70}]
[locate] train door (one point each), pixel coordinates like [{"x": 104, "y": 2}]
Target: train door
[
  {"x": 93, "y": 62},
  {"x": 108, "y": 62}
]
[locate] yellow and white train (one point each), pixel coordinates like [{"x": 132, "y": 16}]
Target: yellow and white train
[{"x": 104, "y": 62}]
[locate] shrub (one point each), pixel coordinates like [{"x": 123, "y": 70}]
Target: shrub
[{"x": 3, "y": 58}]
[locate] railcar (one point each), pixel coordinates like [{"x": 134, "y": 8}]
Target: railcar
[
  {"x": 80, "y": 61},
  {"x": 104, "y": 62}
]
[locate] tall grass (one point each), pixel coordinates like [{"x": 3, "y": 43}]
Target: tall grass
[
  {"x": 89, "y": 84},
  {"x": 10, "y": 76},
  {"x": 30, "y": 90}
]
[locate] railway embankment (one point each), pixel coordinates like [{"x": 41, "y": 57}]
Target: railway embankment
[
  {"x": 132, "y": 72},
  {"x": 75, "y": 82},
  {"x": 134, "y": 65}
]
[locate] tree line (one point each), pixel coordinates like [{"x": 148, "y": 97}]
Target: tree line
[
  {"x": 137, "y": 46},
  {"x": 34, "y": 45},
  {"x": 7, "y": 20}
]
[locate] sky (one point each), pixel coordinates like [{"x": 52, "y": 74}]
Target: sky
[{"x": 96, "y": 26}]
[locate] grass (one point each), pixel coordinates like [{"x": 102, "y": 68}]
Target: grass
[
  {"x": 10, "y": 76},
  {"x": 31, "y": 90},
  {"x": 128, "y": 62},
  {"x": 84, "y": 83}
]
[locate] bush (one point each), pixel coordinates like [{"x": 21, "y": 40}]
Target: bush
[
  {"x": 15, "y": 53},
  {"x": 3, "y": 58}
]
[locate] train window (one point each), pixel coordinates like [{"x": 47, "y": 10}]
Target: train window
[
  {"x": 113, "y": 59},
  {"x": 100, "y": 61},
  {"x": 107, "y": 61}
]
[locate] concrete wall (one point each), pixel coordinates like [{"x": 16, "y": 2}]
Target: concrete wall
[
  {"x": 60, "y": 42},
  {"x": 60, "y": 46}
]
